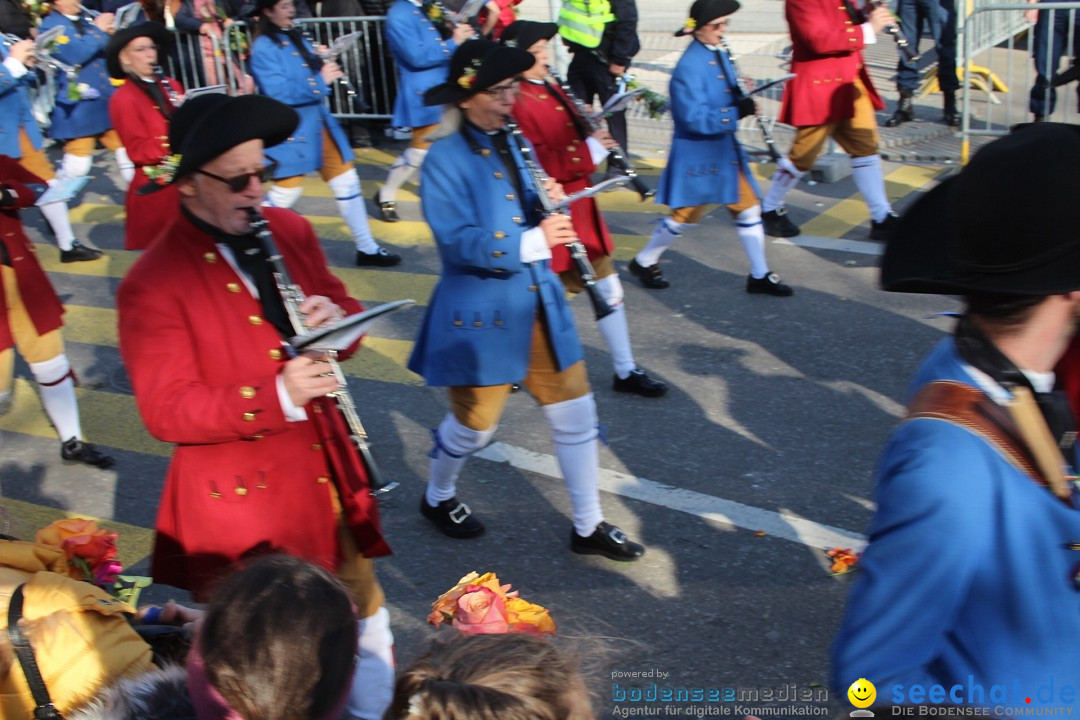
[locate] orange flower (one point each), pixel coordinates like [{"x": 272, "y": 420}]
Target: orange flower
[
  {"x": 86, "y": 546},
  {"x": 526, "y": 617},
  {"x": 56, "y": 533},
  {"x": 442, "y": 610},
  {"x": 481, "y": 611},
  {"x": 844, "y": 560},
  {"x": 481, "y": 604}
]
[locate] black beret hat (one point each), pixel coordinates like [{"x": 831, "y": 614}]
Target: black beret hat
[
  {"x": 120, "y": 39},
  {"x": 477, "y": 65}
]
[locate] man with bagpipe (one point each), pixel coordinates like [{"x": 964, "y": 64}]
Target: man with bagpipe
[
  {"x": 499, "y": 315},
  {"x": 569, "y": 148},
  {"x": 263, "y": 460}
]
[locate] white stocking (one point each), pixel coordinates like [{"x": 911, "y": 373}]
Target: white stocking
[{"x": 573, "y": 429}]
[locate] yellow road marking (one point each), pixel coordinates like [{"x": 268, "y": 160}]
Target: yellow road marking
[{"x": 850, "y": 212}]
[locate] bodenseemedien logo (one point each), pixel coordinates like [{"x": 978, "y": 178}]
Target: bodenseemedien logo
[{"x": 862, "y": 694}]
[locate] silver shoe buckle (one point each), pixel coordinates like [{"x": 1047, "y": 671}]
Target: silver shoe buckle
[
  {"x": 460, "y": 514},
  {"x": 617, "y": 536}
]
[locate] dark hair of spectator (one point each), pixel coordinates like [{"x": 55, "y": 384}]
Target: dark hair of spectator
[
  {"x": 489, "y": 677},
  {"x": 263, "y": 26},
  {"x": 279, "y": 640}
]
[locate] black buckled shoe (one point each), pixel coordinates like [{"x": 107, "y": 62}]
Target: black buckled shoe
[
  {"x": 379, "y": 258},
  {"x": 75, "y": 450},
  {"x": 651, "y": 277},
  {"x": 883, "y": 230},
  {"x": 79, "y": 253},
  {"x": 639, "y": 383},
  {"x": 768, "y": 285},
  {"x": 778, "y": 224},
  {"x": 609, "y": 541},
  {"x": 387, "y": 209},
  {"x": 453, "y": 518}
]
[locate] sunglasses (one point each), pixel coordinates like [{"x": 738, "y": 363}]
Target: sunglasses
[
  {"x": 239, "y": 183},
  {"x": 503, "y": 90}
]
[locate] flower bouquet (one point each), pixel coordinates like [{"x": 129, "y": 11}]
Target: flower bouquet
[
  {"x": 655, "y": 103},
  {"x": 479, "y": 604},
  {"x": 164, "y": 172},
  {"x": 91, "y": 556}
]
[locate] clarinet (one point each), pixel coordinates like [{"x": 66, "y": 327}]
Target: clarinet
[
  {"x": 902, "y": 44},
  {"x": 577, "y": 250},
  {"x": 164, "y": 84},
  {"x": 342, "y": 81},
  {"x": 766, "y": 134},
  {"x": 291, "y": 297},
  {"x": 616, "y": 155}
]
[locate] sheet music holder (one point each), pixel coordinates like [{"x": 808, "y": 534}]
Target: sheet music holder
[
  {"x": 462, "y": 12},
  {"x": 618, "y": 102},
  {"x": 343, "y": 43},
  {"x": 339, "y": 335},
  {"x": 126, "y": 15}
]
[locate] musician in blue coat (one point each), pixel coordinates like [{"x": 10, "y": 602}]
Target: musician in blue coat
[
  {"x": 499, "y": 315},
  {"x": 421, "y": 42},
  {"x": 287, "y": 68},
  {"x": 80, "y": 118},
  {"x": 971, "y": 580},
  {"x": 706, "y": 164},
  {"x": 20, "y": 138}
]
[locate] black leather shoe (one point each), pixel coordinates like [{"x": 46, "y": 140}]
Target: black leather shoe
[
  {"x": 883, "y": 230},
  {"x": 606, "y": 540},
  {"x": 651, "y": 277},
  {"x": 905, "y": 110},
  {"x": 453, "y": 518},
  {"x": 379, "y": 258},
  {"x": 778, "y": 224},
  {"x": 768, "y": 285},
  {"x": 639, "y": 383},
  {"x": 79, "y": 253},
  {"x": 387, "y": 209},
  {"x": 75, "y": 450}
]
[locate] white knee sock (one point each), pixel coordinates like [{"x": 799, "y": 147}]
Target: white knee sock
[
  {"x": 373, "y": 679},
  {"x": 74, "y": 166},
  {"x": 57, "y": 388},
  {"x": 664, "y": 234},
  {"x": 350, "y": 202},
  {"x": 56, "y": 214},
  {"x": 866, "y": 172},
  {"x": 613, "y": 327},
  {"x": 401, "y": 172},
  {"x": 573, "y": 429},
  {"x": 785, "y": 178},
  {"x": 752, "y": 236},
  {"x": 124, "y": 165},
  {"x": 282, "y": 197},
  {"x": 453, "y": 444}
]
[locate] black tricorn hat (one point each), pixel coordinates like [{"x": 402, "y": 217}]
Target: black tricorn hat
[
  {"x": 1006, "y": 224},
  {"x": 209, "y": 125},
  {"x": 120, "y": 39},
  {"x": 475, "y": 66},
  {"x": 526, "y": 33},
  {"x": 702, "y": 12}
]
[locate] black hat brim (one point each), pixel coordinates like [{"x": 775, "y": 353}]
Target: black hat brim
[
  {"x": 498, "y": 64},
  {"x": 705, "y": 11},
  {"x": 120, "y": 39},
  {"x": 214, "y": 124},
  {"x": 524, "y": 34}
]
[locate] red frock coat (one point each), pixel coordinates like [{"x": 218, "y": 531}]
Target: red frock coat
[
  {"x": 36, "y": 291},
  {"x": 563, "y": 153},
  {"x": 203, "y": 365},
  {"x": 826, "y": 57},
  {"x": 144, "y": 130}
]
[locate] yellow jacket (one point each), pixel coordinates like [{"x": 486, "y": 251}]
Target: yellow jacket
[{"x": 81, "y": 638}]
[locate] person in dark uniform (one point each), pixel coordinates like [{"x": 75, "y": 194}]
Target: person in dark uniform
[
  {"x": 939, "y": 17},
  {"x": 1052, "y": 31}
]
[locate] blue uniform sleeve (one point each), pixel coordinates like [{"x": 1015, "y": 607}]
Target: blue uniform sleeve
[
  {"x": 283, "y": 76},
  {"x": 414, "y": 46},
  {"x": 933, "y": 509}
]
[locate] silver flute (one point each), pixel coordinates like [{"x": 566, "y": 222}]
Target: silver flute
[
  {"x": 163, "y": 82},
  {"x": 292, "y": 295},
  {"x": 616, "y": 155},
  {"x": 578, "y": 253}
]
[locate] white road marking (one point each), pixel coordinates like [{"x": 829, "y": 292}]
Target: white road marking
[{"x": 823, "y": 243}]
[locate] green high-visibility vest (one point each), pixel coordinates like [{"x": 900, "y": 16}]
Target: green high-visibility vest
[{"x": 583, "y": 21}]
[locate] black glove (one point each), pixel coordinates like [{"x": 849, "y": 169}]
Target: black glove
[{"x": 746, "y": 107}]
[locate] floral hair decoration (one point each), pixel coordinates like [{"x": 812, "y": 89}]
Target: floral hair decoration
[{"x": 480, "y": 604}]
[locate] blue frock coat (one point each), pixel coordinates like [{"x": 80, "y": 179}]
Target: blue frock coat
[
  {"x": 15, "y": 111},
  {"x": 281, "y": 73},
  {"x": 478, "y": 326},
  {"x": 422, "y": 59},
  {"x": 705, "y": 156},
  {"x": 84, "y": 49},
  {"x": 968, "y": 578}
]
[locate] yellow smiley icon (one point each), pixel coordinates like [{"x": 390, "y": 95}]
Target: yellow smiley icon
[{"x": 862, "y": 693}]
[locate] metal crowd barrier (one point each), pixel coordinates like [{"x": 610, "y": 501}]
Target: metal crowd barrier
[{"x": 998, "y": 80}]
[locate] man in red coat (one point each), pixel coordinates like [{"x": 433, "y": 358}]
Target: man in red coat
[
  {"x": 30, "y": 319},
  {"x": 831, "y": 96},
  {"x": 569, "y": 151},
  {"x": 256, "y": 468}
]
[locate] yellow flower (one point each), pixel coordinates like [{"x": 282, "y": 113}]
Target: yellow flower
[
  {"x": 117, "y": 82},
  {"x": 62, "y": 39},
  {"x": 467, "y": 79},
  {"x": 690, "y": 25},
  {"x": 524, "y": 616}
]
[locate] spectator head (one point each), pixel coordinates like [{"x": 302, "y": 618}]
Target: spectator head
[{"x": 491, "y": 677}]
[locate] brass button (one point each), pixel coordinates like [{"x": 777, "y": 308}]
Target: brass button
[
  {"x": 516, "y": 219},
  {"x": 498, "y": 253},
  {"x": 317, "y": 409},
  {"x": 485, "y": 152},
  {"x": 316, "y": 446},
  {"x": 210, "y": 257},
  {"x": 255, "y": 320},
  {"x": 510, "y": 196},
  {"x": 233, "y": 287},
  {"x": 215, "y": 495},
  {"x": 458, "y": 323},
  {"x": 542, "y": 96},
  {"x": 533, "y": 288},
  {"x": 241, "y": 491},
  {"x": 274, "y": 353},
  {"x": 247, "y": 392},
  {"x": 478, "y": 323},
  {"x": 257, "y": 437},
  {"x": 249, "y": 417},
  {"x": 322, "y": 480},
  {"x": 559, "y": 108},
  {"x": 575, "y": 159},
  {"x": 499, "y": 235},
  {"x": 571, "y": 148},
  {"x": 498, "y": 175},
  {"x": 498, "y": 322}
]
